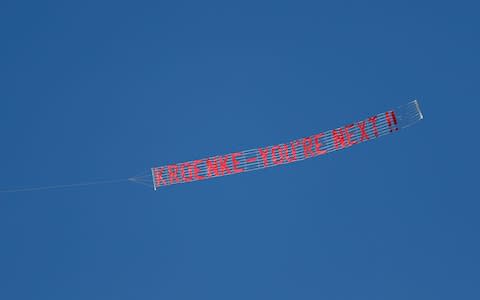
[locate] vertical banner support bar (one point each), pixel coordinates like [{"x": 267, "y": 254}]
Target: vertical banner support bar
[{"x": 153, "y": 179}]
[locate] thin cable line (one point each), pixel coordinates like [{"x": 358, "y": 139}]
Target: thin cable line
[
  {"x": 62, "y": 186},
  {"x": 149, "y": 184}
]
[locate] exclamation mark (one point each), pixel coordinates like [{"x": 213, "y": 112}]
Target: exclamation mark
[
  {"x": 390, "y": 115},
  {"x": 394, "y": 119}
]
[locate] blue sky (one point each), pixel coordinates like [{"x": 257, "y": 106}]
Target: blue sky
[{"x": 97, "y": 90}]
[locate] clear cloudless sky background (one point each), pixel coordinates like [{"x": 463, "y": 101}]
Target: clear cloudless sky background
[{"x": 93, "y": 90}]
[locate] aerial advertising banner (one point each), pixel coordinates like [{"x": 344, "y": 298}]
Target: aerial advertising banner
[
  {"x": 311, "y": 146},
  {"x": 300, "y": 149}
]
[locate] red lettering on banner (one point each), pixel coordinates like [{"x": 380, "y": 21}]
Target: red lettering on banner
[
  {"x": 223, "y": 164},
  {"x": 264, "y": 154},
  {"x": 172, "y": 173},
  {"x": 338, "y": 138},
  {"x": 159, "y": 177},
  {"x": 390, "y": 116},
  {"x": 318, "y": 144},
  {"x": 212, "y": 167},
  {"x": 394, "y": 118},
  {"x": 196, "y": 170},
  {"x": 293, "y": 156},
  {"x": 307, "y": 147},
  {"x": 283, "y": 152},
  {"x": 349, "y": 135},
  {"x": 188, "y": 166},
  {"x": 362, "y": 125},
  {"x": 373, "y": 121},
  {"x": 389, "y": 121},
  {"x": 235, "y": 162},
  {"x": 277, "y": 160}
]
